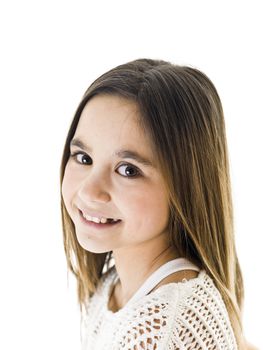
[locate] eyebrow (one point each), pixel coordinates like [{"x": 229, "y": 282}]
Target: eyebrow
[{"x": 121, "y": 153}]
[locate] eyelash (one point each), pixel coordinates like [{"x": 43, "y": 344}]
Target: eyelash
[{"x": 74, "y": 156}]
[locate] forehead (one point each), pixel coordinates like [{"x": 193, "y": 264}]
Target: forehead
[
  {"x": 112, "y": 121},
  {"x": 103, "y": 109}
]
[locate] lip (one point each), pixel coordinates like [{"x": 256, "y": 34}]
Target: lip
[
  {"x": 95, "y": 225},
  {"x": 94, "y": 214}
]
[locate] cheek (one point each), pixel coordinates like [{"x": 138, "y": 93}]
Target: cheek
[{"x": 149, "y": 210}]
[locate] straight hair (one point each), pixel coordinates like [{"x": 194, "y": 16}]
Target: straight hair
[{"x": 182, "y": 113}]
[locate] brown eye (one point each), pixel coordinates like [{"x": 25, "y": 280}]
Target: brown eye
[
  {"x": 81, "y": 158},
  {"x": 130, "y": 171}
]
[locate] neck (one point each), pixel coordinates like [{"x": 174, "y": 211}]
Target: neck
[{"x": 135, "y": 265}]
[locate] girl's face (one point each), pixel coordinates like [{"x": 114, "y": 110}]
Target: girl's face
[{"x": 102, "y": 179}]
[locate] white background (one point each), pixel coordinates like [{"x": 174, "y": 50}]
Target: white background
[{"x": 50, "y": 52}]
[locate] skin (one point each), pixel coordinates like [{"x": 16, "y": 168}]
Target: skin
[{"x": 140, "y": 242}]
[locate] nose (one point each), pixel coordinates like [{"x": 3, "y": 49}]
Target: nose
[{"x": 94, "y": 189}]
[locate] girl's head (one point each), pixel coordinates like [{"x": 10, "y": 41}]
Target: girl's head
[
  {"x": 172, "y": 117},
  {"x": 113, "y": 173}
]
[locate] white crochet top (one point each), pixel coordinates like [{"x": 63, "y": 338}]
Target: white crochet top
[{"x": 185, "y": 315}]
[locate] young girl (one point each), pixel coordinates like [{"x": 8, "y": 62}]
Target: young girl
[{"x": 147, "y": 212}]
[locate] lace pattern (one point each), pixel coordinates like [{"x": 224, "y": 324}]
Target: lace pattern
[{"x": 185, "y": 315}]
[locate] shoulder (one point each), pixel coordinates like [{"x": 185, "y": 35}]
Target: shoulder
[
  {"x": 183, "y": 315},
  {"x": 202, "y": 319},
  {"x": 100, "y": 294},
  {"x": 95, "y": 302}
]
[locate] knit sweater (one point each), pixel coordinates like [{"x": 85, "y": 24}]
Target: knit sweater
[{"x": 184, "y": 315}]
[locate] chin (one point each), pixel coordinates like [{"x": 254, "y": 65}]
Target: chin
[{"x": 94, "y": 247}]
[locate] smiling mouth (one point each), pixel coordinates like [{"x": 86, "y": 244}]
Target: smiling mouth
[{"x": 91, "y": 223}]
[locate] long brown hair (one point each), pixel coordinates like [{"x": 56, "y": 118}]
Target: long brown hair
[{"x": 182, "y": 113}]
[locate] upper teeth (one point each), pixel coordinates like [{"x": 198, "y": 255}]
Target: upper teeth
[{"x": 97, "y": 220}]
